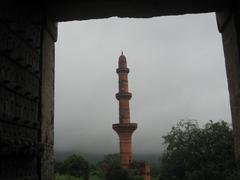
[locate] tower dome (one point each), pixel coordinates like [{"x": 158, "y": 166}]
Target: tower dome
[{"x": 122, "y": 62}]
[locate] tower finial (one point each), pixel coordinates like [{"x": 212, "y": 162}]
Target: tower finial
[{"x": 122, "y": 52}]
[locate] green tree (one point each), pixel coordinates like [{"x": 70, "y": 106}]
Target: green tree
[
  {"x": 110, "y": 168},
  {"x": 76, "y": 165},
  {"x": 67, "y": 177},
  {"x": 58, "y": 167},
  {"x": 117, "y": 173},
  {"x": 194, "y": 153},
  {"x": 110, "y": 161},
  {"x": 154, "y": 170}
]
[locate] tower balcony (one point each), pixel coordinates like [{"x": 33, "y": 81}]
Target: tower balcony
[
  {"x": 122, "y": 70},
  {"x": 124, "y": 95},
  {"x": 125, "y": 128}
]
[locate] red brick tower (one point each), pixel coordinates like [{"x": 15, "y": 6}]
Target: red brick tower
[{"x": 125, "y": 128}]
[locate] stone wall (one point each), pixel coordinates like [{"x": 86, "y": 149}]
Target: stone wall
[
  {"x": 47, "y": 101},
  {"x": 89, "y": 9},
  {"x": 20, "y": 77},
  {"x": 26, "y": 94},
  {"x": 229, "y": 26}
]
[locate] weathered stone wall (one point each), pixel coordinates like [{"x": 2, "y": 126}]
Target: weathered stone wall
[
  {"x": 26, "y": 94},
  {"x": 90, "y": 9},
  {"x": 229, "y": 26},
  {"x": 20, "y": 76},
  {"x": 47, "y": 101}
]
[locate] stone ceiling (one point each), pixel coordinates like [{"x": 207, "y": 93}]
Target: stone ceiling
[{"x": 69, "y": 10}]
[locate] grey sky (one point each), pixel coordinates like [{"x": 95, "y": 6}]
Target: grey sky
[{"x": 176, "y": 72}]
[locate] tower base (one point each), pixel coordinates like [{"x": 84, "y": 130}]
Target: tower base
[{"x": 125, "y": 140}]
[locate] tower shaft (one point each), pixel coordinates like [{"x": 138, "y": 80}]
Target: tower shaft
[{"x": 125, "y": 128}]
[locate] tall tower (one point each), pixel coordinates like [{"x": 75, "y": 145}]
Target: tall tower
[{"x": 125, "y": 128}]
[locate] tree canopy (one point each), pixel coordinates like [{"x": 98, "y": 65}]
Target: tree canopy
[
  {"x": 194, "y": 153},
  {"x": 74, "y": 165},
  {"x": 110, "y": 161}
]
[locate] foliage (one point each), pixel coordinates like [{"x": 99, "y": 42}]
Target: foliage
[
  {"x": 154, "y": 178},
  {"x": 59, "y": 167},
  {"x": 96, "y": 174},
  {"x": 67, "y": 177},
  {"x": 134, "y": 174},
  {"x": 96, "y": 177},
  {"x": 195, "y": 153},
  {"x": 110, "y": 161},
  {"x": 154, "y": 170},
  {"x": 116, "y": 173},
  {"x": 111, "y": 170},
  {"x": 73, "y": 165}
]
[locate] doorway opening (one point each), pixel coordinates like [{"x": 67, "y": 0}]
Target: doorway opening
[{"x": 177, "y": 72}]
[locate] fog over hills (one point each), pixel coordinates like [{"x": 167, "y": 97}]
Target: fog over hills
[
  {"x": 177, "y": 72},
  {"x": 95, "y": 158}
]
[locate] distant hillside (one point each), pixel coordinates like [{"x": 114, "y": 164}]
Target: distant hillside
[
  {"x": 94, "y": 158},
  {"x": 150, "y": 158}
]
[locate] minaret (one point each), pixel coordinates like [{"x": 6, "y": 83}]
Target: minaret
[{"x": 125, "y": 128}]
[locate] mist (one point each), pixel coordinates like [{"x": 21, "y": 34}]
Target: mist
[{"x": 177, "y": 71}]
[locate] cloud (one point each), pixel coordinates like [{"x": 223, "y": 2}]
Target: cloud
[{"x": 176, "y": 71}]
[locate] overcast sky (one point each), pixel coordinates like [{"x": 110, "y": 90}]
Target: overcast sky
[{"x": 176, "y": 72}]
